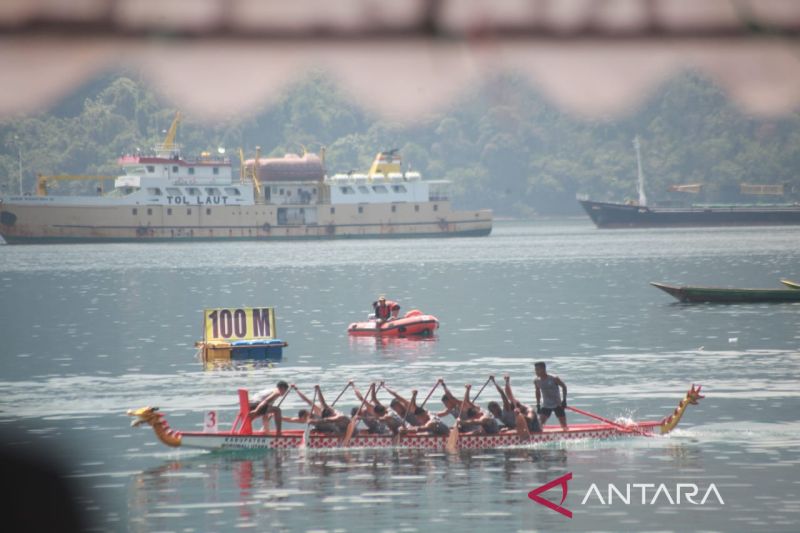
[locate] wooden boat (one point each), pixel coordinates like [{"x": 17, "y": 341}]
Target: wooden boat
[
  {"x": 242, "y": 435},
  {"x": 791, "y": 284},
  {"x": 413, "y": 323},
  {"x": 688, "y": 294}
]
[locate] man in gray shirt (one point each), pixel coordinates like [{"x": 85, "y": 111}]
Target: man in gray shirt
[{"x": 548, "y": 398}]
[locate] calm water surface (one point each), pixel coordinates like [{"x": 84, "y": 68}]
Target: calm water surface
[{"x": 90, "y": 331}]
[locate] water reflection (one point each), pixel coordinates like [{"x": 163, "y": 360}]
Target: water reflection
[{"x": 409, "y": 348}]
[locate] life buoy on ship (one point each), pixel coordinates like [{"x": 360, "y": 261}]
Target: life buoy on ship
[{"x": 266, "y": 227}]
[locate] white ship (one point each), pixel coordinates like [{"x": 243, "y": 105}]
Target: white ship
[{"x": 165, "y": 197}]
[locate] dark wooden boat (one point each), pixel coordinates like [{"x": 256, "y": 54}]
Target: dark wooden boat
[
  {"x": 688, "y": 294},
  {"x": 607, "y": 215}
]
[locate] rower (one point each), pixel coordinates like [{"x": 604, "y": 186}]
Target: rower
[
  {"x": 403, "y": 407},
  {"x": 453, "y": 406},
  {"x": 525, "y": 410},
  {"x": 506, "y": 413},
  {"x": 331, "y": 420},
  {"x": 263, "y": 406},
  {"x": 477, "y": 423},
  {"x": 391, "y": 419},
  {"x": 429, "y": 423},
  {"x": 369, "y": 413}
]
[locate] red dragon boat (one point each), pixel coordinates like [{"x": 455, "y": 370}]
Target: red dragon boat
[
  {"x": 413, "y": 323},
  {"x": 242, "y": 435}
]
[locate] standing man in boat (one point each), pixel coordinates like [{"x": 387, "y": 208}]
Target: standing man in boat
[
  {"x": 548, "y": 398},
  {"x": 263, "y": 405},
  {"x": 385, "y": 310}
]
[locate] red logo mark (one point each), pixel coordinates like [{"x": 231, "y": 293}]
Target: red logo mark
[{"x": 534, "y": 494}]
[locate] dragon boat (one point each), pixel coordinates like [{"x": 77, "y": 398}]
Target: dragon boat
[
  {"x": 242, "y": 435},
  {"x": 415, "y": 322}
]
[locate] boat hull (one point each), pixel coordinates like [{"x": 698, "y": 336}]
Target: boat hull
[
  {"x": 36, "y": 222},
  {"x": 687, "y": 294},
  {"x": 293, "y": 438},
  {"x": 613, "y": 215},
  {"x": 410, "y": 325}
]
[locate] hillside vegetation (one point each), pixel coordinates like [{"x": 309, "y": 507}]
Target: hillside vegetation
[{"x": 502, "y": 144}]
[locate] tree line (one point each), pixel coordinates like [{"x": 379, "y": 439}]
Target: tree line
[{"x": 502, "y": 144}]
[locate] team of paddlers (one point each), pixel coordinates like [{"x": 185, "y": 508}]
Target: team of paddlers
[{"x": 406, "y": 415}]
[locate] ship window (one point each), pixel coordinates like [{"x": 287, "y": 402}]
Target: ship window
[
  {"x": 208, "y": 210},
  {"x": 435, "y": 207},
  {"x": 191, "y": 171},
  {"x": 314, "y": 190},
  {"x": 193, "y": 191},
  {"x": 399, "y": 188},
  {"x": 189, "y": 211},
  {"x": 347, "y": 190},
  {"x": 135, "y": 211},
  {"x": 232, "y": 191},
  {"x": 333, "y": 210},
  {"x": 394, "y": 209},
  {"x": 416, "y": 208},
  {"x": 274, "y": 190},
  {"x": 380, "y": 189},
  {"x": 216, "y": 170},
  {"x": 280, "y": 193},
  {"x": 173, "y": 191},
  {"x": 212, "y": 191},
  {"x": 151, "y": 169},
  {"x": 154, "y": 191},
  {"x": 149, "y": 211},
  {"x": 360, "y": 209},
  {"x": 169, "y": 210},
  {"x": 363, "y": 189},
  {"x": 175, "y": 169}
]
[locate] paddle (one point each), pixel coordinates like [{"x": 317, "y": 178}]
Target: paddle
[
  {"x": 475, "y": 399},
  {"x": 428, "y": 397},
  {"x": 307, "y": 432},
  {"x": 451, "y": 446},
  {"x": 522, "y": 425},
  {"x": 396, "y": 439},
  {"x": 351, "y": 427},
  {"x": 607, "y": 421},
  {"x": 349, "y": 383}
]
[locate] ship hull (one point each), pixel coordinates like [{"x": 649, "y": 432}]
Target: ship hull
[
  {"x": 723, "y": 295},
  {"x": 612, "y": 215},
  {"x": 48, "y": 224}
]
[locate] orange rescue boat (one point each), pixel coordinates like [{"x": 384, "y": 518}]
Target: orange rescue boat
[{"x": 413, "y": 323}]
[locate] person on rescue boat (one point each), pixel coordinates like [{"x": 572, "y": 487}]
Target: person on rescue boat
[{"x": 385, "y": 310}]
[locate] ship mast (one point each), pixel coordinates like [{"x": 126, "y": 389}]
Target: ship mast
[{"x": 642, "y": 197}]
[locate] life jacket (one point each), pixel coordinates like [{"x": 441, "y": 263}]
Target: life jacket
[{"x": 384, "y": 311}]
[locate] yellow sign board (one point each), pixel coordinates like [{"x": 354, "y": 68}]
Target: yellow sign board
[{"x": 234, "y": 324}]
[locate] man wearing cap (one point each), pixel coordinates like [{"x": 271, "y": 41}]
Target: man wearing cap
[{"x": 385, "y": 309}]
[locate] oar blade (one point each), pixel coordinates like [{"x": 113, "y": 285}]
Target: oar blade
[
  {"x": 522, "y": 427},
  {"x": 351, "y": 427},
  {"x": 451, "y": 446}
]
